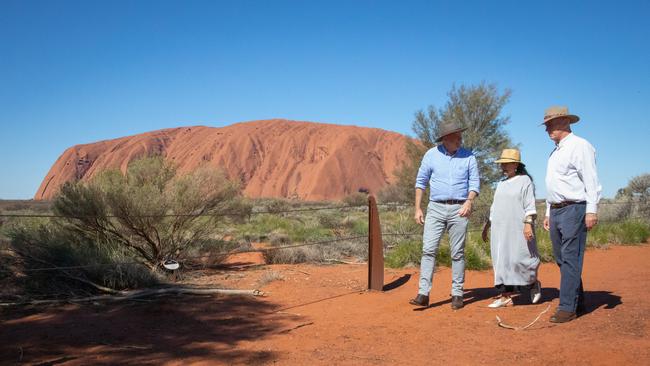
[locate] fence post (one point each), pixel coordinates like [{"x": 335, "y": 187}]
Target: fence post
[{"x": 375, "y": 248}]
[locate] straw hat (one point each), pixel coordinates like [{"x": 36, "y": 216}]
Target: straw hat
[
  {"x": 554, "y": 112},
  {"x": 510, "y": 156},
  {"x": 447, "y": 128}
]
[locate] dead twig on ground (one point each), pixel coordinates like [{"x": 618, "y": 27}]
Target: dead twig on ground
[
  {"x": 296, "y": 327},
  {"x": 297, "y": 270},
  {"x": 344, "y": 262}
]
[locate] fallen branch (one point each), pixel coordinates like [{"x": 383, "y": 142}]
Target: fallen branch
[
  {"x": 504, "y": 325},
  {"x": 344, "y": 262},
  {"x": 130, "y": 295},
  {"x": 297, "y": 270}
]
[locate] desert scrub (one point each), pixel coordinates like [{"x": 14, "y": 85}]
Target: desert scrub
[
  {"x": 404, "y": 253},
  {"x": 544, "y": 245},
  {"x": 47, "y": 245},
  {"x": 321, "y": 253},
  {"x": 409, "y": 252},
  {"x": 628, "y": 232},
  {"x": 356, "y": 199},
  {"x": 298, "y": 228},
  {"x": 150, "y": 212}
]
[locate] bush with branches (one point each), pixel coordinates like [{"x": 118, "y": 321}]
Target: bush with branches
[{"x": 151, "y": 212}]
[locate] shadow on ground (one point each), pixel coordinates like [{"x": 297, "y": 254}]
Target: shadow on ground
[
  {"x": 593, "y": 299},
  {"x": 151, "y": 332},
  {"x": 397, "y": 283}
]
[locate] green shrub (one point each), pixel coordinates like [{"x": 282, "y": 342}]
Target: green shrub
[
  {"x": 321, "y": 253},
  {"x": 276, "y": 205},
  {"x": 405, "y": 253},
  {"x": 356, "y": 199},
  {"x": 151, "y": 213},
  {"x": 392, "y": 194},
  {"x": 627, "y": 232},
  {"x": 48, "y": 245},
  {"x": 544, "y": 245},
  {"x": 330, "y": 220},
  {"x": 409, "y": 252}
]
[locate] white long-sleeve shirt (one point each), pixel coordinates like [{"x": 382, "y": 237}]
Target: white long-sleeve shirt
[{"x": 571, "y": 174}]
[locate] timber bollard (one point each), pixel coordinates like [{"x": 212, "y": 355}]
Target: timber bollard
[{"x": 375, "y": 248}]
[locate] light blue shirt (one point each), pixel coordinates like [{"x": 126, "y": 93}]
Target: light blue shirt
[{"x": 450, "y": 177}]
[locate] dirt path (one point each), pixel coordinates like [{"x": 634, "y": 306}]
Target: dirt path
[{"x": 318, "y": 315}]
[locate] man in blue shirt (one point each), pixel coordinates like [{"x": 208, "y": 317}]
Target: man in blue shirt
[{"x": 451, "y": 173}]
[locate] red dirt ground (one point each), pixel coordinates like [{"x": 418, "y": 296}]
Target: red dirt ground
[{"x": 321, "y": 315}]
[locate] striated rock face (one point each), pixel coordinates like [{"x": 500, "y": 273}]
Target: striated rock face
[{"x": 271, "y": 158}]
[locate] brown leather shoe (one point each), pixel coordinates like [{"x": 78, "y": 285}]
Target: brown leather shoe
[
  {"x": 457, "y": 302},
  {"x": 420, "y": 300},
  {"x": 562, "y": 316}
]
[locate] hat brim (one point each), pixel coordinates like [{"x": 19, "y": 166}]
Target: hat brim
[
  {"x": 508, "y": 160},
  {"x": 572, "y": 119},
  {"x": 450, "y": 132}
]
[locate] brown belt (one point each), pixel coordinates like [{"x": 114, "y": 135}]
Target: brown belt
[{"x": 565, "y": 203}]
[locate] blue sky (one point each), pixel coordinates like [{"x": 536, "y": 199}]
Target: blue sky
[{"x": 75, "y": 72}]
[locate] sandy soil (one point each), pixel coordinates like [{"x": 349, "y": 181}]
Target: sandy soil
[{"x": 321, "y": 315}]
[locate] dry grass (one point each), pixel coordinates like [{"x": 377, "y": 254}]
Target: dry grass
[{"x": 268, "y": 277}]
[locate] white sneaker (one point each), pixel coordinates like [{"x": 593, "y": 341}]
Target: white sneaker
[
  {"x": 501, "y": 302},
  {"x": 536, "y": 293}
]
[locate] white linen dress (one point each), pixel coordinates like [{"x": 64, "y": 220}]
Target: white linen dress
[{"x": 514, "y": 259}]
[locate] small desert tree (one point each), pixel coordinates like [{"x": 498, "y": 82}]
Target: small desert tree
[
  {"x": 638, "y": 186},
  {"x": 150, "y": 211},
  {"x": 477, "y": 107},
  {"x": 634, "y": 199}
]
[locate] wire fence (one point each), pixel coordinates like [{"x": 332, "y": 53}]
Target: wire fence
[
  {"x": 185, "y": 258},
  {"x": 241, "y": 251},
  {"x": 253, "y": 212},
  {"x": 363, "y": 208}
]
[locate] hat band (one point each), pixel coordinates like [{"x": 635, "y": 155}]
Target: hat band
[{"x": 555, "y": 115}]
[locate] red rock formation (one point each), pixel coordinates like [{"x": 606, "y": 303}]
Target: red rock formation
[{"x": 271, "y": 158}]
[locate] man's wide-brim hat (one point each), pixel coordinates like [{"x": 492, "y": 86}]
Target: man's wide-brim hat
[
  {"x": 510, "y": 156},
  {"x": 447, "y": 128},
  {"x": 554, "y": 112}
]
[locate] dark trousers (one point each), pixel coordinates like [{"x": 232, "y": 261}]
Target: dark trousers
[{"x": 569, "y": 238}]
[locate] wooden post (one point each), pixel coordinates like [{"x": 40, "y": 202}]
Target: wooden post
[{"x": 375, "y": 248}]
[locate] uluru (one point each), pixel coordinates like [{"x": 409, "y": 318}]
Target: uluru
[{"x": 270, "y": 158}]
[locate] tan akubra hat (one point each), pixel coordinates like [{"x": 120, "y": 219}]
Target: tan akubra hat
[
  {"x": 554, "y": 112},
  {"x": 447, "y": 128},
  {"x": 510, "y": 156}
]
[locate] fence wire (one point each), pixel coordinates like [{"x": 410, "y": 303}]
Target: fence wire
[
  {"x": 185, "y": 258},
  {"x": 259, "y": 212},
  {"x": 259, "y": 250}
]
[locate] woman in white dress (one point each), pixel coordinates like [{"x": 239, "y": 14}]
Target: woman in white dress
[{"x": 515, "y": 258}]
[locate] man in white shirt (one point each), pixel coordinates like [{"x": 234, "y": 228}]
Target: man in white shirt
[{"x": 573, "y": 192}]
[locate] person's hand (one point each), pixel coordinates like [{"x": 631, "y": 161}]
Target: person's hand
[
  {"x": 419, "y": 216},
  {"x": 484, "y": 233},
  {"x": 547, "y": 223},
  {"x": 466, "y": 210},
  {"x": 528, "y": 232},
  {"x": 591, "y": 219}
]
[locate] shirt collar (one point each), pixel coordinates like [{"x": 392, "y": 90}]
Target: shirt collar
[
  {"x": 565, "y": 140},
  {"x": 444, "y": 151}
]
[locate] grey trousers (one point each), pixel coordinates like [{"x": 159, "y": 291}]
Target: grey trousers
[{"x": 438, "y": 218}]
